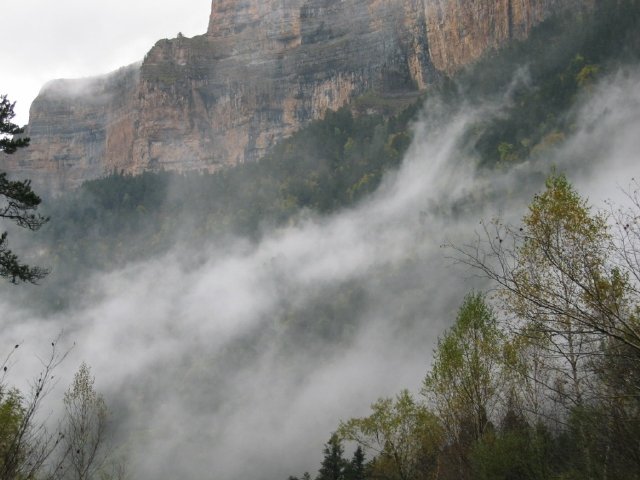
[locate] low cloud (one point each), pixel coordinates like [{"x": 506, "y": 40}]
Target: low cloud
[{"x": 206, "y": 374}]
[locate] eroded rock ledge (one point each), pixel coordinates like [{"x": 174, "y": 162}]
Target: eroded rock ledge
[{"x": 263, "y": 69}]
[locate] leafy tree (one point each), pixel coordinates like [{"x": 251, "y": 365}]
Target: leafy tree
[
  {"x": 84, "y": 434},
  {"x": 17, "y": 202},
  {"x": 465, "y": 381},
  {"x": 466, "y": 377},
  {"x": 75, "y": 450},
  {"x": 515, "y": 450},
  {"x": 28, "y": 448},
  {"x": 555, "y": 273},
  {"x": 570, "y": 283},
  {"x": 11, "y": 417},
  {"x": 404, "y": 436}
]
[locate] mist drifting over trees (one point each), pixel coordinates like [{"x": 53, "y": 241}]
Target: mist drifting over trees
[{"x": 235, "y": 321}]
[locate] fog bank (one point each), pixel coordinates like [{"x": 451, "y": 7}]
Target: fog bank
[{"x": 207, "y": 373}]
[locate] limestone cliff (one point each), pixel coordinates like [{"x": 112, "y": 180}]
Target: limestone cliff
[
  {"x": 79, "y": 130},
  {"x": 263, "y": 69},
  {"x": 460, "y": 31}
]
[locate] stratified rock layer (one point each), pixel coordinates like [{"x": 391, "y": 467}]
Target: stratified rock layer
[
  {"x": 460, "y": 31},
  {"x": 263, "y": 69}
]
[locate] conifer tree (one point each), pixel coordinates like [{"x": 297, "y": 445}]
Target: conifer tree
[
  {"x": 18, "y": 202},
  {"x": 355, "y": 469},
  {"x": 333, "y": 464}
]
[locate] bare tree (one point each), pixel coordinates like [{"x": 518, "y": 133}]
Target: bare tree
[
  {"x": 35, "y": 446},
  {"x": 28, "y": 444}
]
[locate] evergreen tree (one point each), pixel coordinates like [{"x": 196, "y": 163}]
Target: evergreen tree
[
  {"x": 333, "y": 464},
  {"x": 17, "y": 202},
  {"x": 355, "y": 469},
  {"x": 8, "y": 129}
]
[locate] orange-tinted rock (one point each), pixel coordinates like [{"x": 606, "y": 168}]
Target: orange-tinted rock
[
  {"x": 263, "y": 69},
  {"x": 460, "y": 31}
]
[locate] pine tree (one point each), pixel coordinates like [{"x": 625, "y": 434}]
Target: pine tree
[
  {"x": 17, "y": 202},
  {"x": 355, "y": 469},
  {"x": 8, "y": 129},
  {"x": 333, "y": 464}
]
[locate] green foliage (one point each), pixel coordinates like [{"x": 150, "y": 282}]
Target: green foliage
[
  {"x": 545, "y": 77},
  {"x": 17, "y": 202},
  {"x": 562, "y": 243},
  {"x": 564, "y": 283},
  {"x": 515, "y": 451},
  {"x": 337, "y": 161},
  {"x": 9, "y": 144},
  {"x": 333, "y": 464},
  {"x": 356, "y": 468},
  {"x": 84, "y": 435},
  {"x": 29, "y": 449},
  {"x": 404, "y": 435},
  {"x": 11, "y": 418},
  {"x": 465, "y": 377},
  {"x": 567, "y": 283}
]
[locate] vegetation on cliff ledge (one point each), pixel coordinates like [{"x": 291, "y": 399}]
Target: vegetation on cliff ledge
[{"x": 335, "y": 162}]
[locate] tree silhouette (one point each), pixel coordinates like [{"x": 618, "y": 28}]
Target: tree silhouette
[
  {"x": 333, "y": 463},
  {"x": 18, "y": 202}
]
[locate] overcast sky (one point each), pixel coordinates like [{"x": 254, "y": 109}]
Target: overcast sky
[{"x": 45, "y": 39}]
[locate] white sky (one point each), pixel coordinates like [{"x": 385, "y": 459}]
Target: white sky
[{"x": 45, "y": 39}]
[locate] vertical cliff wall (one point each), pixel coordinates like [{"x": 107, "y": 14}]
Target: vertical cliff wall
[
  {"x": 263, "y": 69},
  {"x": 460, "y": 31},
  {"x": 79, "y": 130}
]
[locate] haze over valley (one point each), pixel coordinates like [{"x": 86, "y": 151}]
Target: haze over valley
[{"x": 235, "y": 311}]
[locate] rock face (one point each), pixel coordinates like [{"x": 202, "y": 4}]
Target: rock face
[
  {"x": 79, "y": 130},
  {"x": 263, "y": 69},
  {"x": 460, "y": 31}
]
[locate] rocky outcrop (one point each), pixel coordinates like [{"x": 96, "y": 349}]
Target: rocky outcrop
[
  {"x": 267, "y": 67},
  {"x": 263, "y": 69},
  {"x": 460, "y": 31},
  {"x": 79, "y": 130}
]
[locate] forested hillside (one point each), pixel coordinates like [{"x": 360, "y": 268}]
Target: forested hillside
[
  {"x": 544, "y": 385},
  {"x": 539, "y": 379},
  {"x": 335, "y": 162}
]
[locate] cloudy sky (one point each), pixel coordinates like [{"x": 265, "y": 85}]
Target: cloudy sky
[{"x": 42, "y": 39}]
